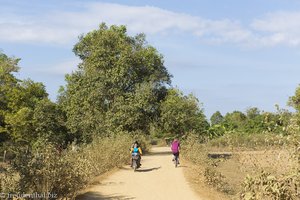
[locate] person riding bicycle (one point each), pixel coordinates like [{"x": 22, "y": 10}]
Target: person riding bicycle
[
  {"x": 175, "y": 146},
  {"x": 136, "y": 150}
]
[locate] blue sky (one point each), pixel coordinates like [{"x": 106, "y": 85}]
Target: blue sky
[{"x": 230, "y": 54}]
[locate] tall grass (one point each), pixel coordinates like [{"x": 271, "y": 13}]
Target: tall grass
[{"x": 47, "y": 170}]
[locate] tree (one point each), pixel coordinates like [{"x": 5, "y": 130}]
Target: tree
[
  {"x": 17, "y": 103},
  {"x": 27, "y": 93},
  {"x": 217, "y": 125},
  {"x": 216, "y": 118},
  {"x": 50, "y": 123},
  {"x": 235, "y": 120},
  {"x": 19, "y": 125},
  {"x": 118, "y": 84},
  {"x": 181, "y": 114},
  {"x": 255, "y": 121},
  {"x": 252, "y": 113},
  {"x": 22, "y": 100},
  {"x": 8, "y": 83},
  {"x": 294, "y": 101}
]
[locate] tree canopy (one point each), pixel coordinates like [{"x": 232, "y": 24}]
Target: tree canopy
[
  {"x": 18, "y": 103},
  {"x": 181, "y": 114},
  {"x": 118, "y": 84}
]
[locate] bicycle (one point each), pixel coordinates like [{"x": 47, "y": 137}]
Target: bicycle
[{"x": 176, "y": 159}]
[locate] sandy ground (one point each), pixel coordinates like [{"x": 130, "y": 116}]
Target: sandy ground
[{"x": 157, "y": 179}]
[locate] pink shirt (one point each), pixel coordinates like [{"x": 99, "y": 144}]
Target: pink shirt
[{"x": 175, "y": 146}]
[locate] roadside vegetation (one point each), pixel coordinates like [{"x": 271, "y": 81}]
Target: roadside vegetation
[{"x": 252, "y": 155}]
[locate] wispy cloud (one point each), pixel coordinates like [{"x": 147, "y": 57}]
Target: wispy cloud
[
  {"x": 279, "y": 28},
  {"x": 61, "y": 68},
  {"x": 63, "y": 27}
]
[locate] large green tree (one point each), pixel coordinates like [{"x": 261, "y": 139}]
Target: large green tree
[
  {"x": 8, "y": 85},
  {"x": 22, "y": 101},
  {"x": 181, "y": 114},
  {"x": 18, "y": 102},
  {"x": 118, "y": 84}
]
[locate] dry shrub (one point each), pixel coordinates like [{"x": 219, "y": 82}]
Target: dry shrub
[
  {"x": 46, "y": 170},
  {"x": 217, "y": 180},
  {"x": 9, "y": 180},
  {"x": 195, "y": 152},
  {"x": 269, "y": 186},
  {"x": 279, "y": 180}
]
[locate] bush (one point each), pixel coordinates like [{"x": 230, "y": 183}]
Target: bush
[
  {"x": 252, "y": 141},
  {"x": 193, "y": 150},
  {"x": 266, "y": 186}
]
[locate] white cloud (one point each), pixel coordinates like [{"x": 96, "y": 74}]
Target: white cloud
[{"x": 63, "y": 27}]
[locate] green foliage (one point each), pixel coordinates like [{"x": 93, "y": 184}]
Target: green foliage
[
  {"x": 216, "y": 131},
  {"x": 118, "y": 84},
  {"x": 50, "y": 123},
  {"x": 294, "y": 101},
  {"x": 253, "y": 121},
  {"x": 8, "y": 82},
  {"x": 216, "y": 119},
  {"x": 234, "y": 120},
  {"x": 26, "y": 94},
  {"x": 17, "y": 103},
  {"x": 252, "y": 113},
  {"x": 217, "y": 125},
  {"x": 22, "y": 101},
  {"x": 20, "y": 125},
  {"x": 181, "y": 114}
]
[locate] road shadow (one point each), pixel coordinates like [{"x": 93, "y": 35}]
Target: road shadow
[
  {"x": 110, "y": 183},
  {"x": 160, "y": 153},
  {"x": 148, "y": 170},
  {"x": 97, "y": 196}
]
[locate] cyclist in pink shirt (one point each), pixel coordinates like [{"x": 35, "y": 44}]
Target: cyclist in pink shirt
[{"x": 175, "y": 146}]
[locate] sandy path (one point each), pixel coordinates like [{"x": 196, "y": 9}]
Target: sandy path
[{"x": 156, "y": 179}]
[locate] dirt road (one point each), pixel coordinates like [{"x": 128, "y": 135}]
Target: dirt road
[{"x": 157, "y": 179}]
